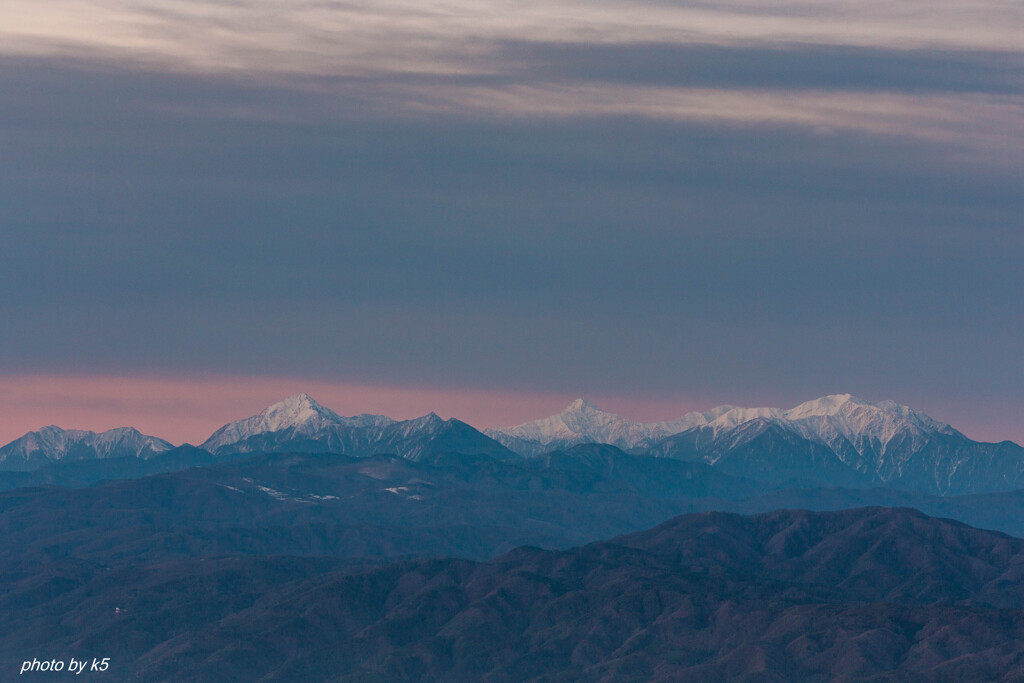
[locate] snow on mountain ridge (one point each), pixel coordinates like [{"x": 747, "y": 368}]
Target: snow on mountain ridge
[
  {"x": 859, "y": 430},
  {"x": 294, "y": 411},
  {"x": 53, "y": 443},
  {"x": 300, "y": 423},
  {"x": 828, "y": 419},
  {"x": 299, "y": 413},
  {"x": 583, "y": 422},
  {"x": 580, "y": 422},
  {"x": 861, "y": 421},
  {"x": 430, "y": 423}
]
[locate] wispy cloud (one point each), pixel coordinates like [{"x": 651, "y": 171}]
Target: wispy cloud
[
  {"x": 880, "y": 67},
  {"x": 780, "y": 66},
  {"x": 621, "y": 197},
  {"x": 360, "y": 37}
]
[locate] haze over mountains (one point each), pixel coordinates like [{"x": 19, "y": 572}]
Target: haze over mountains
[
  {"x": 836, "y": 440},
  {"x": 299, "y": 544}
]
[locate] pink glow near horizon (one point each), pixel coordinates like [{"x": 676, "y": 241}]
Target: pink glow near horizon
[{"x": 189, "y": 409}]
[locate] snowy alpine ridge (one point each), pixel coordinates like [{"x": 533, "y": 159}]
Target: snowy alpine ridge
[
  {"x": 830, "y": 418},
  {"x": 301, "y": 424},
  {"x": 53, "y": 444},
  {"x": 835, "y": 440},
  {"x": 299, "y": 415}
]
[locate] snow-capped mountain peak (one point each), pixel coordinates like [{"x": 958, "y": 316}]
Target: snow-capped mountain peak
[
  {"x": 298, "y": 416},
  {"x": 299, "y": 413},
  {"x": 580, "y": 422},
  {"x": 581, "y": 406},
  {"x": 295, "y": 411},
  {"x": 868, "y": 427},
  {"x": 300, "y": 424},
  {"x": 826, "y": 405},
  {"x": 428, "y": 423},
  {"x": 51, "y": 443},
  {"x": 826, "y": 419},
  {"x": 858, "y": 416}
]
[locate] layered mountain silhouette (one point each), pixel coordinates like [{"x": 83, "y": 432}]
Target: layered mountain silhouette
[
  {"x": 297, "y": 424},
  {"x": 446, "y": 504},
  {"x": 836, "y": 440},
  {"x": 834, "y": 418},
  {"x": 378, "y": 506},
  {"x": 859, "y": 595},
  {"x": 301, "y": 424},
  {"x": 299, "y": 544}
]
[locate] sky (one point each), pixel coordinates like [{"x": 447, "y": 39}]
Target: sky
[{"x": 487, "y": 209}]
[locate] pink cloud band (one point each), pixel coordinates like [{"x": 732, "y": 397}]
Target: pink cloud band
[{"x": 189, "y": 409}]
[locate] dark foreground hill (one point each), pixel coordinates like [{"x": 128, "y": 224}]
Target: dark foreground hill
[{"x": 860, "y": 595}]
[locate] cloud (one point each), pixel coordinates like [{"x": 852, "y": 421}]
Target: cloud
[
  {"x": 725, "y": 201},
  {"x": 168, "y": 223},
  {"x": 974, "y": 110},
  {"x": 387, "y": 36},
  {"x": 785, "y": 67}
]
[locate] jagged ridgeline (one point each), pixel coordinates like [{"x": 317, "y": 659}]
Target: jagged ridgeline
[
  {"x": 836, "y": 440},
  {"x": 299, "y": 544},
  {"x": 859, "y": 595}
]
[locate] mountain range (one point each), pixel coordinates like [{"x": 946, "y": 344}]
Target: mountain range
[
  {"x": 446, "y": 504},
  {"x": 831, "y": 419},
  {"x": 53, "y": 444},
  {"x": 836, "y": 440},
  {"x": 860, "y": 595},
  {"x": 301, "y": 424},
  {"x": 298, "y": 544}
]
